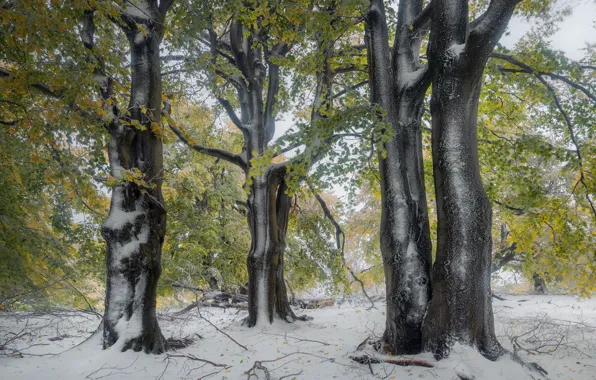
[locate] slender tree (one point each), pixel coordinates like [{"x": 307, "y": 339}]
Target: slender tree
[
  {"x": 461, "y": 309},
  {"x": 398, "y": 82}
]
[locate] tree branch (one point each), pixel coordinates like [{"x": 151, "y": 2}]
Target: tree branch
[
  {"x": 340, "y": 240},
  {"x": 486, "y": 29},
  {"x": 540, "y": 77},
  {"x": 524, "y": 68},
  {"x": 165, "y": 5},
  {"x": 422, "y": 21},
  {"x": 231, "y": 113},
  {"x": 213, "y": 152},
  {"x": 352, "y": 88}
]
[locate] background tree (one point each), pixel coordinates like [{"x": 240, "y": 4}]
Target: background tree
[{"x": 249, "y": 46}]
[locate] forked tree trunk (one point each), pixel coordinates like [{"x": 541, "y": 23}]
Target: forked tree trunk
[
  {"x": 399, "y": 88},
  {"x": 461, "y": 308},
  {"x": 135, "y": 228}
]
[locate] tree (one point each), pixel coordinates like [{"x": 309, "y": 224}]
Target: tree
[
  {"x": 245, "y": 70},
  {"x": 207, "y": 229},
  {"x": 398, "y": 85},
  {"x": 135, "y": 227},
  {"x": 458, "y": 53}
]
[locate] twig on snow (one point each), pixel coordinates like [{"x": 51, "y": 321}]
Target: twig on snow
[{"x": 215, "y": 327}]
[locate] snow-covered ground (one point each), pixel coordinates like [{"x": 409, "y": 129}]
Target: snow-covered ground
[{"x": 557, "y": 332}]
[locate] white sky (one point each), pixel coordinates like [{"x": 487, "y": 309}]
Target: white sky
[{"x": 574, "y": 32}]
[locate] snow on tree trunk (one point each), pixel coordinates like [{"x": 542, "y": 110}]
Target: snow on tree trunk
[
  {"x": 405, "y": 234},
  {"x": 461, "y": 308},
  {"x": 135, "y": 228}
]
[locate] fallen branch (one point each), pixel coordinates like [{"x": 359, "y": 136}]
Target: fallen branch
[
  {"x": 194, "y": 358},
  {"x": 498, "y": 297},
  {"x": 367, "y": 359},
  {"x": 179, "y": 343},
  {"x": 259, "y": 364},
  {"x": 215, "y": 327}
]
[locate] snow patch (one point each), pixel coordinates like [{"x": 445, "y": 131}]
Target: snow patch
[
  {"x": 408, "y": 78},
  {"x": 342, "y": 326},
  {"x": 262, "y": 304},
  {"x": 139, "y": 38},
  {"x": 455, "y": 50},
  {"x": 119, "y": 218},
  {"x": 127, "y": 249}
]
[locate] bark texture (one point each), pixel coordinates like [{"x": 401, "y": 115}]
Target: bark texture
[
  {"x": 135, "y": 228},
  {"x": 398, "y": 85},
  {"x": 461, "y": 309}
]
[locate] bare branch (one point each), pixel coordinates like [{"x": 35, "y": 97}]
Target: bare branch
[
  {"x": 231, "y": 113},
  {"x": 340, "y": 240},
  {"x": 524, "y": 68}
]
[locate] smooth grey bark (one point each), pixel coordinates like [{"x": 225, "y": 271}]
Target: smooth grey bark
[
  {"x": 398, "y": 85},
  {"x": 135, "y": 228},
  {"x": 461, "y": 308}
]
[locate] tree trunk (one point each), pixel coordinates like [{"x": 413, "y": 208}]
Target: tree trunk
[
  {"x": 405, "y": 233},
  {"x": 539, "y": 284},
  {"x": 461, "y": 308},
  {"x": 268, "y": 214},
  {"x": 135, "y": 228}
]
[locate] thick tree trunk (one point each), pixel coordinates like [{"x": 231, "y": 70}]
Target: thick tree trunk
[
  {"x": 135, "y": 228},
  {"x": 405, "y": 234},
  {"x": 269, "y": 210},
  {"x": 461, "y": 308}
]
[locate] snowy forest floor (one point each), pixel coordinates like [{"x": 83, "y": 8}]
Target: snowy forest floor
[{"x": 557, "y": 332}]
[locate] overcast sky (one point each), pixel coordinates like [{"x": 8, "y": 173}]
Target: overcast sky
[{"x": 574, "y": 32}]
